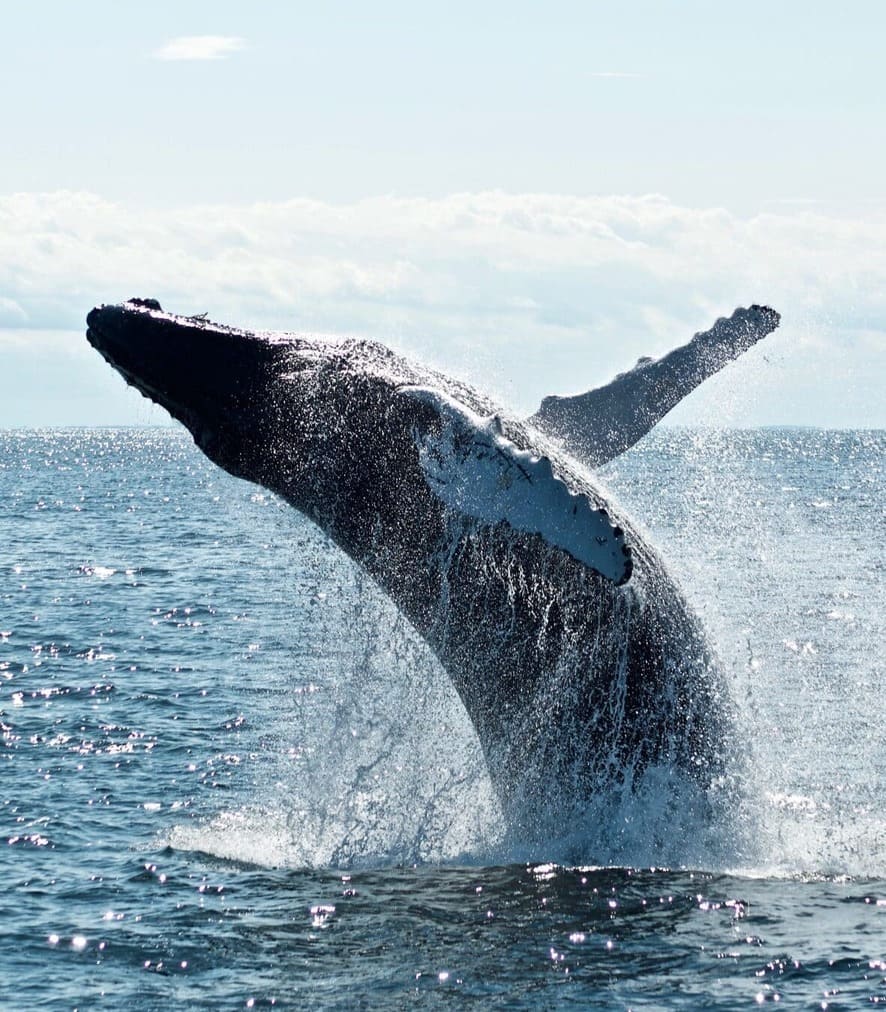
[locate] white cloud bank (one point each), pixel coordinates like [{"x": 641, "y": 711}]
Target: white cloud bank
[
  {"x": 200, "y": 47},
  {"x": 530, "y": 294}
]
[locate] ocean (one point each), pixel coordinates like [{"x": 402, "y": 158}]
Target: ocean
[{"x": 233, "y": 777}]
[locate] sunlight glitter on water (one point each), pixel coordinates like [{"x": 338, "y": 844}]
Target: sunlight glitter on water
[{"x": 202, "y": 789}]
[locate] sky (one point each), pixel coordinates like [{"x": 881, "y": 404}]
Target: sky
[{"x": 529, "y": 195}]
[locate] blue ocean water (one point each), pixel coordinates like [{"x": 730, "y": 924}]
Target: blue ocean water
[{"x": 232, "y": 777}]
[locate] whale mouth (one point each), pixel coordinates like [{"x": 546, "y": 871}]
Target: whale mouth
[
  {"x": 220, "y": 382},
  {"x": 111, "y": 336},
  {"x": 193, "y": 368}
]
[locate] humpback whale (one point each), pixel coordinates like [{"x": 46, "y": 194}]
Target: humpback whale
[{"x": 575, "y": 654}]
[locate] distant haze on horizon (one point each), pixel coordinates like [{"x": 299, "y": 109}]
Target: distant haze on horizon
[{"x": 532, "y": 198}]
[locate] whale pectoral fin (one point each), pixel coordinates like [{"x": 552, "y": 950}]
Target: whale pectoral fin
[
  {"x": 476, "y": 472},
  {"x": 601, "y": 424}
]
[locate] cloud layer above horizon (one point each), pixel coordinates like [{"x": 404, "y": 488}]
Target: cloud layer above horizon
[{"x": 544, "y": 293}]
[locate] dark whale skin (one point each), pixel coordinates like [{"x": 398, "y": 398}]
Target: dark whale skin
[{"x": 573, "y": 683}]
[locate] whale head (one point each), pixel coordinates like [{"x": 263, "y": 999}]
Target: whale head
[
  {"x": 340, "y": 427},
  {"x": 293, "y": 412},
  {"x": 205, "y": 375}
]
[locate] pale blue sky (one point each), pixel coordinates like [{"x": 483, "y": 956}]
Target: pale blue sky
[{"x": 760, "y": 125}]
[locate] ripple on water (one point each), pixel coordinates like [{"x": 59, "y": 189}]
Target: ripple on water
[{"x": 204, "y": 712}]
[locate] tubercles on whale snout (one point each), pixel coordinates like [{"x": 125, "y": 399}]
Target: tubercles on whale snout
[{"x": 145, "y": 304}]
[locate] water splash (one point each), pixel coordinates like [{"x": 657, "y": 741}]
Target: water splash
[
  {"x": 391, "y": 772},
  {"x": 386, "y": 767}
]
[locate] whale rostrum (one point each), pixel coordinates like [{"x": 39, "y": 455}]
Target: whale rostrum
[{"x": 575, "y": 654}]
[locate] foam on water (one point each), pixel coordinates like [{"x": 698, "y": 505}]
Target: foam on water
[
  {"x": 392, "y": 772},
  {"x": 355, "y": 749},
  {"x": 237, "y": 690},
  {"x": 792, "y": 595}
]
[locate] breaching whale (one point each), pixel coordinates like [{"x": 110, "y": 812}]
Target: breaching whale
[{"x": 575, "y": 654}]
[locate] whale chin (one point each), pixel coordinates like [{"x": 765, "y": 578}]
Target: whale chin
[
  {"x": 192, "y": 368},
  {"x": 148, "y": 362}
]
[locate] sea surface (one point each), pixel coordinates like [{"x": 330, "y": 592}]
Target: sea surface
[{"x": 232, "y": 777}]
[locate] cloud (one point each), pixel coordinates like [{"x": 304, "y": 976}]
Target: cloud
[
  {"x": 541, "y": 292},
  {"x": 199, "y": 47}
]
